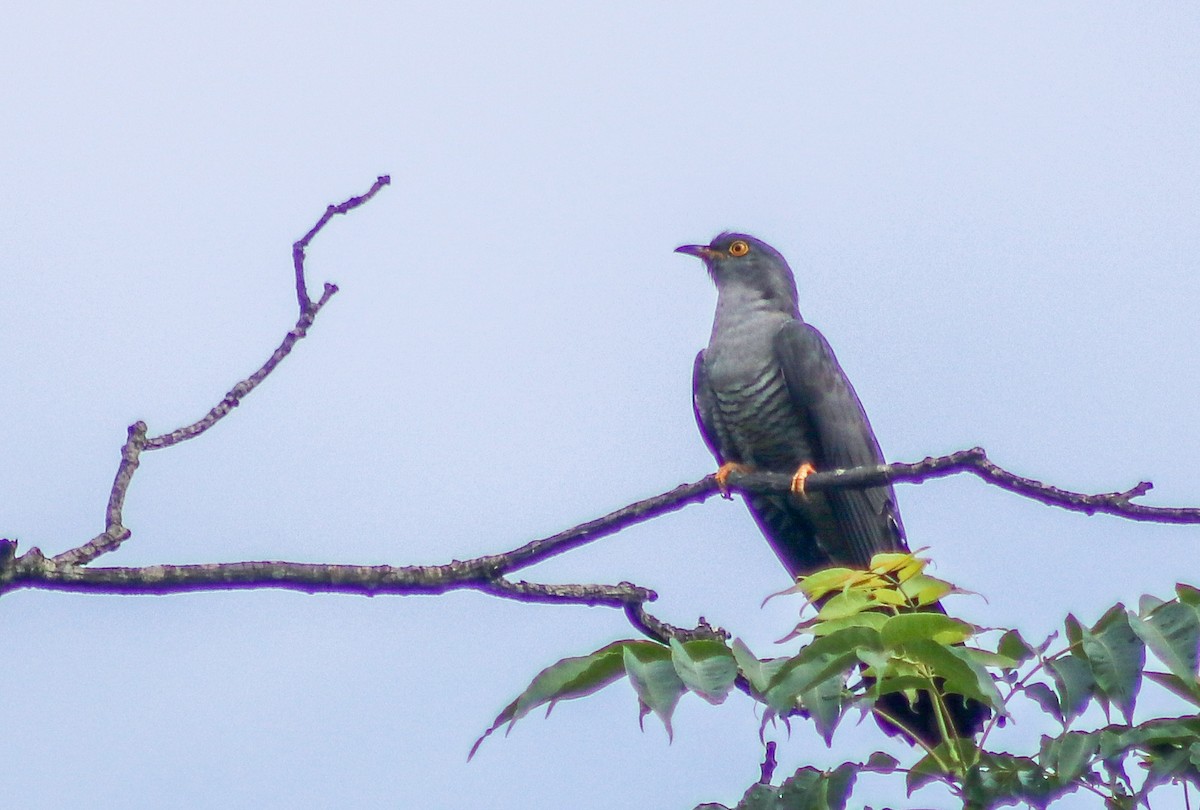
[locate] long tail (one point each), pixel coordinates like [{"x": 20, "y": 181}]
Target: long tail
[
  {"x": 966, "y": 715},
  {"x": 793, "y": 536}
]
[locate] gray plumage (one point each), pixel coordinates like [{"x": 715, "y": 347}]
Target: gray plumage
[{"x": 769, "y": 393}]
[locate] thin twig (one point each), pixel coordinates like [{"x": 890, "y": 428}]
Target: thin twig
[
  {"x": 655, "y": 628},
  {"x": 308, "y": 313},
  {"x": 767, "y": 772},
  {"x": 976, "y": 462},
  {"x": 613, "y": 522},
  {"x": 619, "y": 595},
  {"x": 235, "y": 395},
  {"x": 115, "y": 531},
  {"x": 301, "y": 245}
]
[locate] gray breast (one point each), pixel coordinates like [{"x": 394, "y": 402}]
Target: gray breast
[{"x": 758, "y": 423}]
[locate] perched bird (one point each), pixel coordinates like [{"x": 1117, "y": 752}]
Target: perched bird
[{"x": 769, "y": 395}]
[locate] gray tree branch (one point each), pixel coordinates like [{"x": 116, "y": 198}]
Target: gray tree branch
[{"x": 70, "y": 570}]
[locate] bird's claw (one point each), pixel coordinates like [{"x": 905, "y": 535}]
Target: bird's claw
[
  {"x": 722, "y": 476},
  {"x": 800, "y": 477}
]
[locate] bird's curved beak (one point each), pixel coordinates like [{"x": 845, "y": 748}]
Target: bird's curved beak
[{"x": 699, "y": 251}]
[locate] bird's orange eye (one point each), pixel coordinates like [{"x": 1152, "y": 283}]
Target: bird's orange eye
[{"x": 738, "y": 248}]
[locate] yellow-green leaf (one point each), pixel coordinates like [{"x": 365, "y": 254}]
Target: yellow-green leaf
[
  {"x": 844, "y": 604},
  {"x": 923, "y": 589},
  {"x": 907, "y": 627}
]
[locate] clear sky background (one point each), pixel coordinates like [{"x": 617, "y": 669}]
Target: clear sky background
[{"x": 993, "y": 211}]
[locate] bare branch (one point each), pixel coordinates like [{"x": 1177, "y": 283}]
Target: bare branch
[
  {"x": 613, "y": 522},
  {"x": 33, "y": 570},
  {"x": 236, "y": 394},
  {"x": 976, "y": 462},
  {"x": 302, "y": 244},
  {"x": 663, "y": 632},
  {"x": 115, "y": 531},
  {"x": 308, "y": 314},
  {"x": 69, "y": 571},
  {"x": 485, "y": 573},
  {"x": 620, "y": 595}
]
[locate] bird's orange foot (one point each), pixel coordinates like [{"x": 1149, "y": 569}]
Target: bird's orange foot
[
  {"x": 722, "y": 476},
  {"x": 800, "y": 477}
]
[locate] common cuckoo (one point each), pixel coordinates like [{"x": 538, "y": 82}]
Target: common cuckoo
[{"x": 770, "y": 395}]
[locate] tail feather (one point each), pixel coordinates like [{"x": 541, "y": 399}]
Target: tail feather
[
  {"x": 966, "y": 715},
  {"x": 793, "y": 533}
]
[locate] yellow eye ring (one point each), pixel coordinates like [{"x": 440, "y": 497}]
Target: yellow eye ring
[{"x": 738, "y": 248}]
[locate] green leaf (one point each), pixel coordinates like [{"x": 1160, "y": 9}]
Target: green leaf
[
  {"x": 1069, "y": 755},
  {"x": 1170, "y": 742},
  {"x": 962, "y": 675},
  {"x": 1188, "y": 594},
  {"x": 1118, "y": 779},
  {"x": 814, "y": 586},
  {"x": 907, "y": 627},
  {"x": 928, "y": 770},
  {"x": 654, "y": 679},
  {"x": 898, "y": 683},
  {"x": 758, "y": 672},
  {"x": 905, "y": 563},
  {"x": 809, "y": 789},
  {"x": 1045, "y": 645},
  {"x": 564, "y": 680},
  {"x": 827, "y": 655},
  {"x": 889, "y": 597},
  {"x": 1044, "y": 696},
  {"x": 758, "y": 797},
  {"x": 1168, "y": 746},
  {"x": 985, "y": 683},
  {"x": 923, "y": 589},
  {"x": 877, "y": 660},
  {"x": 881, "y": 762},
  {"x": 925, "y": 771},
  {"x": 1001, "y": 778},
  {"x": 871, "y": 619},
  {"x": 1075, "y": 683},
  {"x": 1148, "y": 603},
  {"x": 1074, "y": 635},
  {"x": 1160, "y": 731},
  {"x": 1172, "y": 632},
  {"x": 1168, "y": 764},
  {"x": 846, "y": 603},
  {"x": 824, "y": 704},
  {"x": 989, "y": 659},
  {"x": 706, "y": 667},
  {"x": 1117, "y": 656},
  {"x": 1013, "y": 645}
]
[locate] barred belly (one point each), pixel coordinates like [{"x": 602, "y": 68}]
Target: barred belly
[{"x": 762, "y": 424}]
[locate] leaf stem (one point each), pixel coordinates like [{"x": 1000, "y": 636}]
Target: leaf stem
[{"x": 913, "y": 736}]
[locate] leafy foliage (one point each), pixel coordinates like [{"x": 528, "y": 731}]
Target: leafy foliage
[{"x": 874, "y": 634}]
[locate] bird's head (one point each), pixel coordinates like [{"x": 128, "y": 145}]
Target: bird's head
[{"x": 739, "y": 260}]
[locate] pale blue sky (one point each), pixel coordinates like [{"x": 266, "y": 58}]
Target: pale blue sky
[{"x": 992, "y": 210}]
